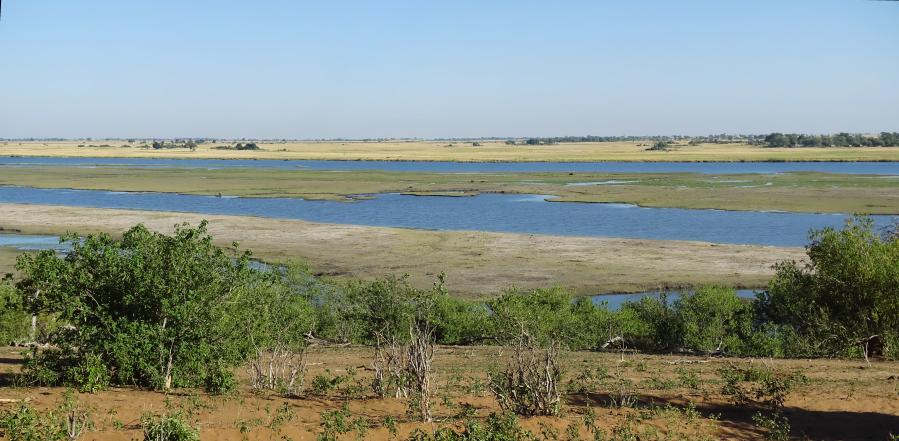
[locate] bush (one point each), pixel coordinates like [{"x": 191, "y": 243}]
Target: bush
[
  {"x": 545, "y": 314},
  {"x": 844, "y": 301},
  {"x": 167, "y": 427},
  {"x": 67, "y": 420},
  {"x": 705, "y": 319},
  {"x": 462, "y": 322},
  {"x": 708, "y": 315},
  {"x": 357, "y": 311},
  {"x": 14, "y": 319},
  {"x": 221, "y": 381},
  {"x": 154, "y": 310},
  {"x": 497, "y": 427}
]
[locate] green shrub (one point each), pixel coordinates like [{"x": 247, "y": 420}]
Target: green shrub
[
  {"x": 844, "y": 300},
  {"x": 545, "y": 313},
  {"x": 335, "y": 424},
  {"x": 67, "y": 420},
  {"x": 221, "y": 381},
  {"x": 708, "y": 316},
  {"x": 21, "y": 424},
  {"x": 496, "y": 427},
  {"x": 778, "y": 426},
  {"x": 168, "y": 427},
  {"x": 14, "y": 319},
  {"x": 175, "y": 302},
  {"x": 92, "y": 375}
]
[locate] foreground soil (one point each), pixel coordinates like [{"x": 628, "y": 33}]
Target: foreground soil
[
  {"x": 842, "y": 399},
  {"x": 487, "y": 151},
  {"x": 476, "y": 262}
]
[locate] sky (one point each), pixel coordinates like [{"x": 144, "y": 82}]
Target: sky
[{"x": 389, "y": 69}]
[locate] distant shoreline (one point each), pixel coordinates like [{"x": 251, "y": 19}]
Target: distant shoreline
[
  {"x": 477, "y": 262},
  {"x": 461, "y": 152},
  {"x": 521, "y": 161}
]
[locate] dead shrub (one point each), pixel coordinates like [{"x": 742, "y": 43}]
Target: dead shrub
[
  {"x": 528, "y": 384},
  {"x": 391, "y": 368},
  {"x": 404, "y": 371},
  {"x": 280, "y": 369}
]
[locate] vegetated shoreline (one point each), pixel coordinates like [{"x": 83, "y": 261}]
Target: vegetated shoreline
[
  {"x": 477, "y": 262},
  {"x": 798, "y": 192},
  {"x": 460, "y": 161}
]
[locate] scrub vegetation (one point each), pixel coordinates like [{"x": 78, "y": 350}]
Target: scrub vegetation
[
  {"x": 176, "y": 313},
  {"x": 811, "y": 192}
]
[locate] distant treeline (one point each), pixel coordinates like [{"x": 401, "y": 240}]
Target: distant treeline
[
  {"x": 189, "y": 144},
  {"x": 239, "y": 146},
  {"x": 886, "y": 139}
]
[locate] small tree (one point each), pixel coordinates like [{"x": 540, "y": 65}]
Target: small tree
[
  {"x": 154, "y": 310},
  {"x": 845, "y": 299}
]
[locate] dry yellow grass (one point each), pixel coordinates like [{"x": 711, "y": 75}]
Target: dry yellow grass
[{"x": 489, "y": 151}]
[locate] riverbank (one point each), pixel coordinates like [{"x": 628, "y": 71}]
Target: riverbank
[
  {"x": 798, "y": 192},
  {"x": 455, "y": 151},
  {"x": 476, "y": 262}
]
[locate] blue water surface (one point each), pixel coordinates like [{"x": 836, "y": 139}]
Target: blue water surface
[
  {"x": 886, "y": 168},
  {"x": 486, "y": 212}
]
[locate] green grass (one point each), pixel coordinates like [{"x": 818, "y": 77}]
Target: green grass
[{"x": 813, "y": 192}]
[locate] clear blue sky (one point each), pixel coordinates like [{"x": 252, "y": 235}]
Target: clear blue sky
[{"x": 328, "y": 69}]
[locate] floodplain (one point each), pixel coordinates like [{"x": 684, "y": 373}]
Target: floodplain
[
  {"x": 477, "y": 262},
  {"x": 803, "y": 192}
]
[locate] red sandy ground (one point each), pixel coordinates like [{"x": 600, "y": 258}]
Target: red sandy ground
[{"x": 845, "y": 399}]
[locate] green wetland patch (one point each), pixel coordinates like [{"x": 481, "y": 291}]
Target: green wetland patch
[{"x": 810, "y": 192}]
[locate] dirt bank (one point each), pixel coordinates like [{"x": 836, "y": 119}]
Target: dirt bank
[{"x": 840, "y": 399}]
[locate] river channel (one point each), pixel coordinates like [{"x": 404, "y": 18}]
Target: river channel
[
  {"x": 884, "y": 168},
  {"x": 486, "y": 212}
]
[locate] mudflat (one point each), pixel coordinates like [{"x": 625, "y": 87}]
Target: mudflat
[{"x": 476, "y": 262}]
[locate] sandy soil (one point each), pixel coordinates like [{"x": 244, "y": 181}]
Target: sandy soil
[
  {"x": 476, "y": 262},
  {"x": 488, "y": 151},
  {"x": 844, "y": 399}
]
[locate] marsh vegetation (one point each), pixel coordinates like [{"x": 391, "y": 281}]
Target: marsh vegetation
[{"x": 809, "y": 192}]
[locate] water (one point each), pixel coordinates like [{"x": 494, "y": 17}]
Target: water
[
  {"x": 616, "y": 300},
  {"x": 889, "y": 168},
  {"x": 485, "y": 212},
  {"x": 32, "y": 242}
]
